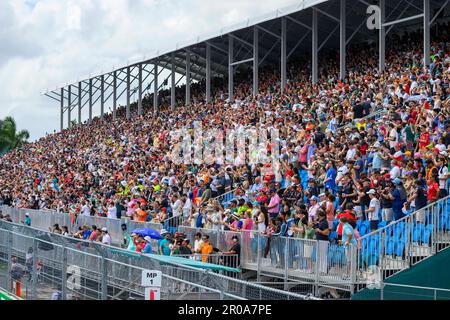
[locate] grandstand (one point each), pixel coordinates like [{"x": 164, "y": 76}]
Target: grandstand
[{"x": 362, "y": 103}]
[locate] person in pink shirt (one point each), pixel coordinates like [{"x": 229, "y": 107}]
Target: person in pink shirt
[{"x": 274, "y": 205}]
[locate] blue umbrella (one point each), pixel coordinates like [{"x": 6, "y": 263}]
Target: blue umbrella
[{"x": 147, "y": 232}]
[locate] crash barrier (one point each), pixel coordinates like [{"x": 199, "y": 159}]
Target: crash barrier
[{"x": 49, "y": 265}]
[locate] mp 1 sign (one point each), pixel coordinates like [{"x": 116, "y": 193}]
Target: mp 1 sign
[
  {"x": 152, "y": 293},
  {"x": 151, "y": 278}
]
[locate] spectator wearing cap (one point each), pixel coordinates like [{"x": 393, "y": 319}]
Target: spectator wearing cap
[
  {"x": 312, "y": 211},
  {"x": 148, "y": 245},
  {"x": 274, "y": 205},
  {"x": 106, "y": 238},
  {"x": 374, "y": 210},
  {"x": 164, "y": 244}
]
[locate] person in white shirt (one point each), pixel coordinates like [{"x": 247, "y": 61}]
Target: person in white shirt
[
  {"x": 187, "y": 206},
  {"x": 351, "y": 153},
  {"x": 395, "y": 171},
  {"x": 342, "y": 170},
  {"x": 112, "y": 211},
  {"x": 86, "y": 209},
  {"x": 443, "y": 177},
  {"x": 393, "y": 136},
  {"x": 177, "y": 206},
  {"x": 374, "y": 210},
  {"x": 106, "y": 239},
  {"x": 198, "y": 242}
]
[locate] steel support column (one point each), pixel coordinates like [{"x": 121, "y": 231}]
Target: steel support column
[
  {"x": 155, "y": 89},
  {"x": 115, "y": 96},
  {"x": 315, "y": 44},
  {"x": 140, "y": 91},
  {"x": 343, "y": 41},
  {"x": 70, "y": 107},
  {"x": 90, "y": 100},
  {"x": 79, "y": 102},
  {"x": 188, "y": 79},
  {"x": 426, "y": 32},
  {"x": 208, "y": 73},
  {"x": 382, "y": 37},
  {"x": 283, "y": 54},
  {"x": 102, "y": 96},
  {"x": 172, "y": 85},
  {"x": 128, "y": 110},
  {"x": 230, "y": 68},
  {"x": 255, "y": 60},
  {"x": 62, "y": 110}
]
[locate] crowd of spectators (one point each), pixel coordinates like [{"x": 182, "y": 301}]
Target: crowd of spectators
[{"x": 375, "y": 168}]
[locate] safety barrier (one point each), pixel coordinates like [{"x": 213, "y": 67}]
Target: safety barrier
[
  {"x": 229, "y": 260},
  {"x": 404, "y": 243},
  {"x": 44, "y": 220},
  {"x": 102, "y": 272}
]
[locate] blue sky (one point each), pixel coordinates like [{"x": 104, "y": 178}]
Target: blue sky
[{"x": 46, "y": 43}]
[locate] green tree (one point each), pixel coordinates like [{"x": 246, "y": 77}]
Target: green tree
[{"x": 9, "y": 137}]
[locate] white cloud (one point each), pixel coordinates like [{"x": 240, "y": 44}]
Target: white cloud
[{"x": 46, "y": 43}]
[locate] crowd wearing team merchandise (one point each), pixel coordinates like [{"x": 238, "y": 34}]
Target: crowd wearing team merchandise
[{"x": 378, "y": 169}]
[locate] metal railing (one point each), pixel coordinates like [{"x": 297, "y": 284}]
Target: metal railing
[
  {"x": 403, "y": 243},
  {"x": 229, "y": 260},
  {"x": 84, "y": 270},
  {"x": 44, "y": 220},
  {"x": 292, "y": 259},
  {"x": 412, "y": 292}
]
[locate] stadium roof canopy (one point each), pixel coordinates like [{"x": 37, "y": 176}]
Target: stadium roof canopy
[{"x": 275, "y": 38}]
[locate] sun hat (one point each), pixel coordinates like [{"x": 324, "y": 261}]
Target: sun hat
[
  {"x": 372, "y": 191},
  {"x": 147, "y": 238}
]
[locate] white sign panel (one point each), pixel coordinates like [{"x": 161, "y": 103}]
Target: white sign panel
[
  {"x": 152, "y": 293},
  {"x": 151, "y": 278}
]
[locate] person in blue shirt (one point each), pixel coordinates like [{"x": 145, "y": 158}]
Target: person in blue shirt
[
  {"x": 148, "y": 246},
  {"x": 330, "y": 179},
  {"x": 164, "y": 244},
  {"x": 348, "y": 240},
  {"x": 27, "y": 220}
]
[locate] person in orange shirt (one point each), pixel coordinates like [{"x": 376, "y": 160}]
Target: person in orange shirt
[
  {"x": 140, "y": 215},
  {"x": 205, "y": 248}
]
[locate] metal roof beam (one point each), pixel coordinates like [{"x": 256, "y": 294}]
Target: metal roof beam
[
  {"x": 269, "y": 32},
  {"x": 241, "y": 40},
  {"x": 299, "y": 23},
  {"x": 328, "y": 15},
  {"x": 439, "y": 12}
]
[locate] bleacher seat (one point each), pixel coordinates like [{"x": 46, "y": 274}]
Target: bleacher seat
[
  {"x": 363, "y": 230},
  {"x": 399, "y": 248},
  {"x": 418, "y": 230},
  {"x": 335, "y": 224},
  {"x": 358, "y": 224},
  {"x": 427, "y": 234},
  {"x": 382, "y": 224},
  {"x": 389, "y": 246},
  {"x": 333, "y": 235}
]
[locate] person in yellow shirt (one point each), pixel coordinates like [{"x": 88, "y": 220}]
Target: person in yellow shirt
[{"x": 205, "y": 248}]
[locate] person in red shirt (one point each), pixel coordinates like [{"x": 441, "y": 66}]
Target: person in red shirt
[
  {"x": 351, "y": 218},
  {"x": 424, "y": 139},
  {"x": 433, "y": 189}
]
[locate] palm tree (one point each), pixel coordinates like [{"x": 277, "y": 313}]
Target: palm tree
[{"x": 9, "y": 138}]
